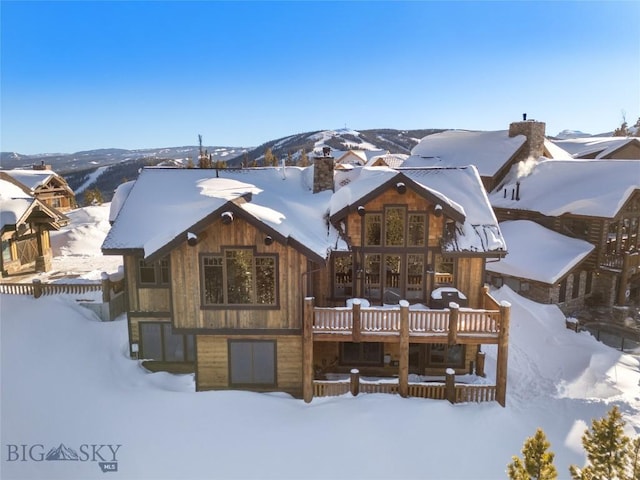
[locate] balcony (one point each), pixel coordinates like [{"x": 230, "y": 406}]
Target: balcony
[{"x": 407, "y": 324}]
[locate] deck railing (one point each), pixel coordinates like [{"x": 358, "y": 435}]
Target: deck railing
[
  {"x": 108, "y": 306},
  {"x": 463, "y": 393},
  {"x": 387, "y": 320}
]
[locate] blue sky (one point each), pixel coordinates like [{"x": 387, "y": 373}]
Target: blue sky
[{"x": 85, "y": 75}]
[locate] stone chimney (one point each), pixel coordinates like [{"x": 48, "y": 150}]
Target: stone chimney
[
  {"x": 323, "y": 171},
  {"x": 535, "y": 132}
]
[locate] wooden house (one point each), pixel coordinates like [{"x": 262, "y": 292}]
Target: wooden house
[
  {"x": 269, "y": 280},
  {"x": 602, "y": 148},
  {"x": 593, "y": 200},
  {"x": 47, "y": 186},
  {"x": 543, "y": 265},
  {"x": 494, "y": 153},
  {"x": 25, "y": 223}
]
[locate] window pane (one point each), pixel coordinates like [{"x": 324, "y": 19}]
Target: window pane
[
  {"x": 173, "y": 345},
  {"x": 415, "y": 276},
  {"x": 394, "y": 226},
  {"x": 240, "y": 361},
  {"x": 147, "y": 272},
  {"x": 373, "y": 229},
  {"x": 417, "y": 230},
  {"x": 212, "y": 272},
  {"x": 164, "y": 271},
  {"x": 252, "y": 362},
  {"x": 372, "y": 276},
  {"x": 392, "y": 279},
  {"x": 239, "y": 265},
  {"x": 191, "y": 348},
  {"x": 151, "y": 341},
  {"x": 455, "y": 356},
  {"x": 365, "y": 353},
  {"x": 6, "y": 251},
  {"x": 342, "y": 277},
  {"x": 264, "y": 371},
  {"x": 266, "y": 280}
]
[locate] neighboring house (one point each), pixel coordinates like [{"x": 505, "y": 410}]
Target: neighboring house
[
  {"x": 24, "y": 229},
  {"x": 494, "y": 153},
  {"x": 594, "y": 200},
  {"x": 543, "y": 265},
  {"x": 47, "y": 186},
  {"x": 602, "y": 148},
  {"x": 356, "y": 157},
  {"x": 244, "y": 274}
]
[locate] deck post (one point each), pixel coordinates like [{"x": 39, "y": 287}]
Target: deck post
[
  {"x": 450, "y": 384},
  {"x": 106, "y": 287},
  {"x": 37, "y": 288},
  {"x": 503, "y": 353},
  {"x": 480, "y": 358},
  {"x": 624, "y": 279},
  {"x": 453, "y": 322},
  {"x": 355, "y": 329},
  {"x": 354, "y": 382},
  {"x": 403, "y": 373},
  {"x": 307, "y": 350},
  {"x": 485, "y": 294}
]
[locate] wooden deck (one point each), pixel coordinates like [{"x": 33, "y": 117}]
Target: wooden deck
[
  {"x": 425, "y": 326},
  {"x": 457, "y": 393},
  {"x": 404, "y": 325}
]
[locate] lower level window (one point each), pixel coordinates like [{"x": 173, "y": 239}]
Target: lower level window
[
  {"x": 252, "y": 362},
  {"x": 443, "y": 355},
  {"x": 364, "y": 353},
  {"x": 158, "y": 342}
]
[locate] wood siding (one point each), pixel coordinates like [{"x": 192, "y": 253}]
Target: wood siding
[
  {"x": 212, "y": 365},
  {"x": 144, "y": 299},
  {"x": 186, "y": 282}
]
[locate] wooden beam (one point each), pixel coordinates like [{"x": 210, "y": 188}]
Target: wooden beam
[
  {"x": 307, "y": 350},
  {"x": 503, "y": 354},
  {"x": 403, "y": 380},
  {"x": 356, "y": 321},
  {"x": 453, "y": 323}
]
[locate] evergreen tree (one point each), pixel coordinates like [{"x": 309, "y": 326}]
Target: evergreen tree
[
  {"x": 634, "y": 459},
  {"x": 93, "y": 196},
  {"x": 637, "y": 127},
  {"x": 303, "y": 161},
  {"x": 607, "y": 450},
  {"x": 270, "y": 159},
  {"x": 537, "y": 461}
]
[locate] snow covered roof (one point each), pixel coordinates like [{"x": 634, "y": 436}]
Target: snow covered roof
[
  {"x": 488, "y": 151},
  {"x": 555, "y": 151},
  {"x": 597, "y": 188},
  {"x": 165, "y": 204},
  {"x": 603, "y": 146},
  {"x": 32, "y": 179},
  {"x": 14, "y": 203},
  {"x": 537, "y": 253},
  {"x": 458, "y": 190}
]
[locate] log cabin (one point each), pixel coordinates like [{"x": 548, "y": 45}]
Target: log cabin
[
  {"x": 494, "y": 153},
  {"x": 47, "y": 186},
  {"x": 25, "y": 223},
  {"x": 281, "y": 278},
  {"x": 597, "y": 201}
]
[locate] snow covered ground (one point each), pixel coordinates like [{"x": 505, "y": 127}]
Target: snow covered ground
[{"x": 67, "y": 379}]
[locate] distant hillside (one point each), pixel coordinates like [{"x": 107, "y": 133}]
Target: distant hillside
[{"x": 105, "y": 169}]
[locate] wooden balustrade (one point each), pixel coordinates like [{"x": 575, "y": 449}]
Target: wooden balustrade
[
  {"x": 37, "y": 289},
  {"x": 434, "y": 391},
  {"x": 443, "y": 278},
  {"x": 421, "y": 322}
]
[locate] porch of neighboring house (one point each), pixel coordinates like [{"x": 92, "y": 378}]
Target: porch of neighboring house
[{"x": 405, "y": 334}]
